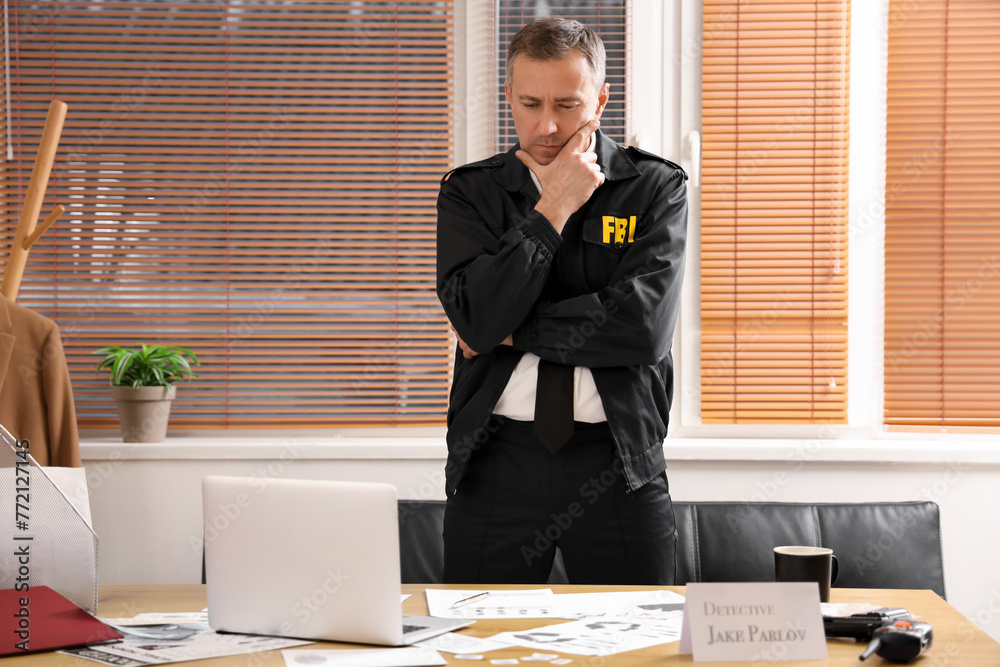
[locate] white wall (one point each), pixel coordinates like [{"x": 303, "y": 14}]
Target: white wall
[{"x": 146, "y": 499}]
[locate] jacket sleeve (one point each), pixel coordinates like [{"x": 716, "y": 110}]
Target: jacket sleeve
[
  {"x": 488, "y": 274},
  {"x": 631, "y": 321}
]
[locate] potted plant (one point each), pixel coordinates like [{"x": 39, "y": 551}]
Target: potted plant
[{"x": 142, "y": 383}]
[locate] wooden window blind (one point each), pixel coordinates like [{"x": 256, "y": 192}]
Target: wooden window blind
[
  {"x": 608, "y": 18},
  {"x": 255, "y": 180},
  {"x": 942, "y": 215},
  {"x": 774, "y": 211}
]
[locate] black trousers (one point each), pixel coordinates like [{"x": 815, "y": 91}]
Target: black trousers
[{"x": 518, "y": 502}]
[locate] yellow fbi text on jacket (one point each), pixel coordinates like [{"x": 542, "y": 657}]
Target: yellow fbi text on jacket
[{"x": 618, "y": 230}]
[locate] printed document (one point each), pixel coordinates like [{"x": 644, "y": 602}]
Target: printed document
[
  {"x": 535, "y": 603},
  {"x": 176, "y": 642}
]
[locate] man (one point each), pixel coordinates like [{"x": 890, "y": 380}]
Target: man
[{"x": 559, "y": 267}]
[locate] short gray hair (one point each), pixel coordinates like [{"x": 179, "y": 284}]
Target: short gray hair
[{"x": 553, "y": 39}]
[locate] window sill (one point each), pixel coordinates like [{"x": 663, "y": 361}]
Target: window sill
[
  {"x": 416, "y": 444},
  {"x": 403, "y": 443}
]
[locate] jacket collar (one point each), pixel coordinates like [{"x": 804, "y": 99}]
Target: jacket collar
[{"x": 513, "y": 176}]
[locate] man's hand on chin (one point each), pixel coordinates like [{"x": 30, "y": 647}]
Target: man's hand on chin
[{"x": 570, "y": 179}]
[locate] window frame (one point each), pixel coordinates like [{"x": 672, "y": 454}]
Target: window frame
[{"x": 866, "y": 237}]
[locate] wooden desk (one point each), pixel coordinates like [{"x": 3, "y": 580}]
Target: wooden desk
[{"x": 957, "y": 641}]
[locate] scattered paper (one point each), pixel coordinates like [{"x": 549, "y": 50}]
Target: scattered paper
[
  {"x": 468, "y": 656},
  {"x": 609, "y": 622},
  {"x": 600, "y": 636},
  {"x": 452, "y": 642},
  {"x": 651, "y": 604},
  {"x": 412, "y": 656},
  {"x": 176, "y": 641},
  {"x": 499, "y": 604}
]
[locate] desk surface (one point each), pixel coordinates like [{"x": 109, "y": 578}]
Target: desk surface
[{"x": 957, "y": 641}]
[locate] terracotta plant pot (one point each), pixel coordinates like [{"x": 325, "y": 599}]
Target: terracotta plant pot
[{"x": 144, "y": 412}]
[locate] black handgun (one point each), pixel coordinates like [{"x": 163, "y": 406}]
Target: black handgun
[{"x": 862, "y": 626}]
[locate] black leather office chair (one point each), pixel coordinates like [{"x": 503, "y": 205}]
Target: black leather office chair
[{"x": 878, "y": 545}]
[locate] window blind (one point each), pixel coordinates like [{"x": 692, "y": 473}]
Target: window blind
[
  {"x": 942, "y": 208},
  {"x": 774, "y": 211},
  {"x": 608, "y": 18},
  {"x": 255, "y": 180}
]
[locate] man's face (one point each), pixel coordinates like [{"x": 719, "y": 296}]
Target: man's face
[{"x": 551, "y": 100}]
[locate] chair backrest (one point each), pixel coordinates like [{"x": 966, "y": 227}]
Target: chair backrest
[
  {"x": 421, "y": 544},
  {"x": 878, "y": 545},
  {"x": 421, "y": 541}
]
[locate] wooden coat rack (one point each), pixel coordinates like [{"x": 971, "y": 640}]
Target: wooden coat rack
[{"x": 27, "y": 230}]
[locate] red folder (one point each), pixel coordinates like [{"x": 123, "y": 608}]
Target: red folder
[{"x": 40, "y": 619}]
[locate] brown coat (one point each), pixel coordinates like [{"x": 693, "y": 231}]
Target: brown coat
[{"x": 36, "y": 398}]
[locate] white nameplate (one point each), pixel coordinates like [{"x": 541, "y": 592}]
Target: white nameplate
[{"x": 753, "y": 622}]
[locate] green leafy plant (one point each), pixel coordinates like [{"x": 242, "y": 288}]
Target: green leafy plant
[{"x": 147, "y": 366}]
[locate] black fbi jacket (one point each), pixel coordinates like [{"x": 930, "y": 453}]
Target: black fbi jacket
[{"x": 604, "y": 294}]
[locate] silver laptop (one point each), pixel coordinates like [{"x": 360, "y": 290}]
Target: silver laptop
[{"x": 307, "y": 559}]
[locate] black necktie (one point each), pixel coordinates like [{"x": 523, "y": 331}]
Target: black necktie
[{"x": 554, "y": 404}]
